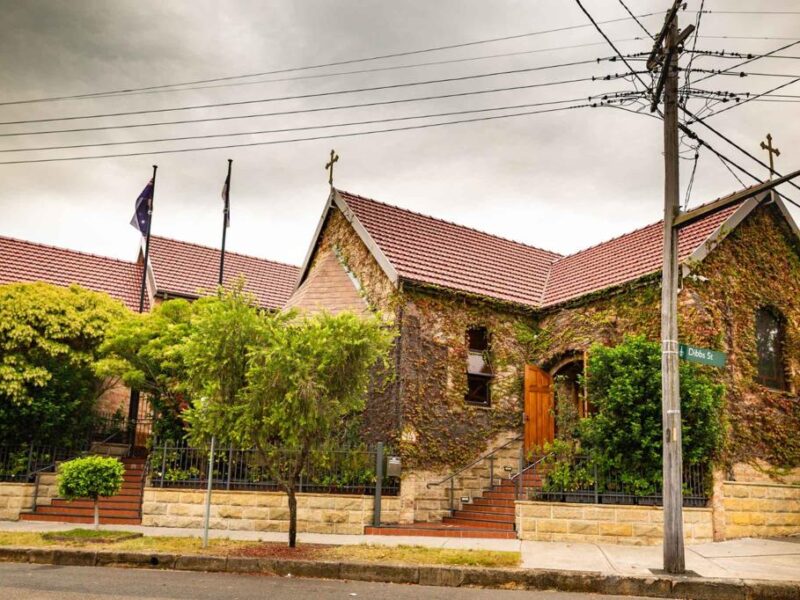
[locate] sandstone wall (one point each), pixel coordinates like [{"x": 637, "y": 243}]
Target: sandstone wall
[
  {"x": 760, "y": 510},
  {"x": 14, "y": 497},
  {"x": 639, "y": 525},
  {"x": 264, "y": 511}
]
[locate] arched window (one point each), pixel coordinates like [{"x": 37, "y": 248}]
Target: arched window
[{"x": 769, "y": 346}]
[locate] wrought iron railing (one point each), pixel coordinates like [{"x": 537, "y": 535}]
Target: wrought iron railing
[
  {"x": 583, "y": 479},
  {"x": 339, "y": 470}
]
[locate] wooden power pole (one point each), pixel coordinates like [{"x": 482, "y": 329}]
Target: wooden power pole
[{"x": 672, "y": 40}]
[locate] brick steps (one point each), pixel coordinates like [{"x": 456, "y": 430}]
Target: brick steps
[
  {"x": 121, "y": 509},
  {"x": 439, "y": 530}
]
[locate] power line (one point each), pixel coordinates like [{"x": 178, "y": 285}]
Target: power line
[
  {"x": 356, "y": 72},
  {"x": 749, "y": 60},
  {"x": 633, "y": 16},
  {"x": 752, "y": 98},
  {"x": 747, "y": 12},
  {"x": 293, "y": 112},
  {"x": 741, "y": 73},
  {"x": 702, "y": 122},
  {"x": 287, "y": 129},
  {"x": 315, "y": 66},
  {"x": 315, "y": 95},
  {"x": 294, "y": 140},
  {"x": 610, "y": 43}
]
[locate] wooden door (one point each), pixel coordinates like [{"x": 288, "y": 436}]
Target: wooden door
[{"x": 540, "y": 425}]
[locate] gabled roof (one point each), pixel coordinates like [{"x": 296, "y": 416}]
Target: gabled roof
[
  {"x": 187, "y": 270},
  {"x": 431, "y": 251},
  {"x": 625, "y": 258},
  {"x": 23, "y": 261},
  {"x": 424, "y": 250}
]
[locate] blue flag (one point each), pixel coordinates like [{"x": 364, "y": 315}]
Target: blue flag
[{"x": 143, "y": 210}]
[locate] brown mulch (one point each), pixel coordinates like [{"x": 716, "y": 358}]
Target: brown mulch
[{"x": 280, "y": 550}]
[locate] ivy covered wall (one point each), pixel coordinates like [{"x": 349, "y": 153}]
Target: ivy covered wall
[{"x": 424, "y": 411}]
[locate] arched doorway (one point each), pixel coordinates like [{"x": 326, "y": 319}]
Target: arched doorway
[{"x": 570, "y": 402}]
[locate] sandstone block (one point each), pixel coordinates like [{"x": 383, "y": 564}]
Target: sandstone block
[
  {"x": 536, "y": 510},
  {"x": 282, "y": 514},
  {"x": 584, "y": 527},
  {"x": 551, "y": 526},
  {"x": 334, "y": 516},
  {"x": 616, "y": 529},
  {"x": 567, "y": 512},
  {"x": 598, "y": 514}
]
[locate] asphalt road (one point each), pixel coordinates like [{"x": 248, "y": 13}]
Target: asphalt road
[{"x": 46, "y": 582}]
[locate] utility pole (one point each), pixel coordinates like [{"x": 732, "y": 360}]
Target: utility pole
[{"x": 674, "y": 558}]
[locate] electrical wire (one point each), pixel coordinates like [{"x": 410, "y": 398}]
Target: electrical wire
[
  {"x": 756, "y": 97},
  {"x": 294, "y": 140},
  {"x": 291, "y": 112},
  {"x": 316, "y": 66},
  {"x": 638, "y": 22},
  {"x": 313, "y": 95},
  {"x": 281, "y": 130}
]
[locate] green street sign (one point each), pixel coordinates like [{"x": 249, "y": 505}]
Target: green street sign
[{"x": 703, "y": 356}]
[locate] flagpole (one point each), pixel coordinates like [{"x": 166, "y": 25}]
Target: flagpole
[
  {"x": 133, "y": 404},
  {"x": 225, "y": 218},
  {"x": 147, "y": 241}
]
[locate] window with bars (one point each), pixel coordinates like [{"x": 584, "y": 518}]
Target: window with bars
[
  {"x": 770, "y": 337},
  {"x": 479, "y": 370}
]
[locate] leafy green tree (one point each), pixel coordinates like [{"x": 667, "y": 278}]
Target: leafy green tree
[
  {"x": 281, "y": 383},
  {"x": 90, "y": 477},
  {"x": 145, "y": 352},
  {"x": 49, "y": 341},
  {"x": 624, "y": 432}
]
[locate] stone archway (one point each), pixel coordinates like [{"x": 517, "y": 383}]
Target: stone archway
[{"x": 570, "y": 402}]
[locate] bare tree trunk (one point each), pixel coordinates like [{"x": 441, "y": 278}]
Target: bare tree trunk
[
  {"x": 290, "y": 492},
  {"x": 96, "y": 513}
]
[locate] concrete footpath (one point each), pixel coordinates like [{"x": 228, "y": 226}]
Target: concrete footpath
[{"x": 772, "y": 560}]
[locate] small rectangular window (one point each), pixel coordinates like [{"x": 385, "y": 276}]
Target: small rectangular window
[
  {"x": 479, "y": 370},
  {"x": 770, "y": 337}
]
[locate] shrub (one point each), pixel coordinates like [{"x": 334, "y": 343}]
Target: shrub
[
  {"x": 624, "y": 433},
  {"x": 90, "y": 477}
]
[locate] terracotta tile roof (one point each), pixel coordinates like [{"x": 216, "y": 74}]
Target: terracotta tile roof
[
  {"x": 22, "y": 261},
  {"x": 432, "y": 251},
  {"x": 186, "y": 269},
  {"x": 624, "y": 258}
]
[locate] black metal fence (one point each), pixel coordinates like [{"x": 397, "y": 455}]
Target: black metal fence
[
  {"x": 337, "y": 471},
  {"x": 20, "y": 464},
  {"x": 582, "y": 479}
]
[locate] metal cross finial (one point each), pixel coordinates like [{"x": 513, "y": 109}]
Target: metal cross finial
[
  {"x": 773, "y": 152},
  {"x": 329, "y": 166}
]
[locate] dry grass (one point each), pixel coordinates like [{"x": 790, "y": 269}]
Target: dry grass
[
  {"x": 420, "y": 555},
  {"x": 413, "y": 555}
]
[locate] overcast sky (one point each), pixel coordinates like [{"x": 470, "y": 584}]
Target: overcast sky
[{"x": 561, "y": 181}]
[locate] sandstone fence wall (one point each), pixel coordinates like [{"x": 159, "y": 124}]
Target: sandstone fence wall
[
  {"x": 14, "y": 497},
  {"x": 593, "y": 523},
  {"x": 264, "y": 511},
  {"x": 760, "y": 509}
]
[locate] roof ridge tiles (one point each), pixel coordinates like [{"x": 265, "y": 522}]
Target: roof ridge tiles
[
  {"x": 72, "y": 250},
  {"x": 227, "y": 252},
  {"x": 445, "y": 221}
]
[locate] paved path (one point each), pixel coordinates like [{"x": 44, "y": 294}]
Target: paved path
[
  {"x": 777, "y": 560},
  {"x": 41, "y": 582}
]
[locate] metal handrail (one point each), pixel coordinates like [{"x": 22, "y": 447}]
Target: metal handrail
[
  {"x": 473, "y": 463},
  {"x": 519, "y": 480},
  {"x": 532, "y": 465}
]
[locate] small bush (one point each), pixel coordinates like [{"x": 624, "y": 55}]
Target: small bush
[{"x": 90, "y": 477}]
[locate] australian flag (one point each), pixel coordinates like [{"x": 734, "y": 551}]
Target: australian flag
[{"x": 143, "y": 210}]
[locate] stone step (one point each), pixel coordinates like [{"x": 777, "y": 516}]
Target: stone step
[
  {"x": 484, "y": 516},
  {"x": 479, "y": 523},
  {"x": 78, "y": 511},
  {"x": 481, "y": 501},
  {"x": 115, "y": 502},
  {"x": 440, "y": 530},
  {"x": 489, "y": 508},
  {"x": 64, "y": 518}
]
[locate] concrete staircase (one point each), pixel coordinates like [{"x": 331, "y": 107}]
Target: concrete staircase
[{"x": 124, "y": 508}]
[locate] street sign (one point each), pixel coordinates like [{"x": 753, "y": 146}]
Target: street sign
[{"x": 703, "y": 356}]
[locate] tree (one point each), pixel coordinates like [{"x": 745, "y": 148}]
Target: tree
[
  {"x": 49, "y": 341},
  {"x": 624, "y": 432},
  {"x": 145, "y": 352},
  {"x": 90, "y": 477},
  {"x": 299, "y": 379}
]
